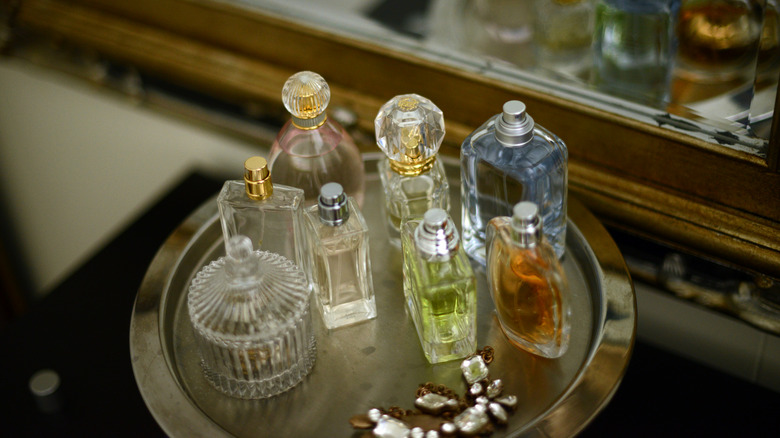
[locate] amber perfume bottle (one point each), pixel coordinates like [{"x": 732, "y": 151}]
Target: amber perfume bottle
[
  {"x": 439, "y": 287},
  {"x": 337, "y": 242},
  {"x": 252, "y": 323},
  {"x": 312, "y": 149},
  {"x": 271, "y": 215},
  {"x": 409, "y": 130},
  {"x": 527, "y": 283}
]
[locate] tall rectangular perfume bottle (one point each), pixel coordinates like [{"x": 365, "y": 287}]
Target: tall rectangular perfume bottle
[
  {"x": 439, "y": 287},
  {"x": 409, "y": 130},
  {"x": 527, "y": 283},
  {"x": 269, "y": 214},
  {"x": 337, "y": 247},
  {"x": 507, "y": 160},
  {"x": 311, "y": 148}
]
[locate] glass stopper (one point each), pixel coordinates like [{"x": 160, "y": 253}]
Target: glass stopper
[
  {"x": 306, "y": 95},
  {"x": 409, "y": 130},
  {"x": 514, "y": 127}
]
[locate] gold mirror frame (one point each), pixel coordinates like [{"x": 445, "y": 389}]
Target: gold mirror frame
[{"x": 663, "y": 184}]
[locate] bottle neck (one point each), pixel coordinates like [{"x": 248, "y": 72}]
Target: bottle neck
[
  {"x": 307, "y": 124},
  {"x": 413, "y": 168}
]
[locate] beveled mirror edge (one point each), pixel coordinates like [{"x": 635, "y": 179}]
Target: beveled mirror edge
[{"x": 645, "y": 178}]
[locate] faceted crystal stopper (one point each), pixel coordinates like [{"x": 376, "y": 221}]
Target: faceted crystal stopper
[
  {"x": 409, "y": 130},
  {"x": 527, "y": 223},
  {"x": 514, "y": 127},
  {"x": 436, "y": 235},
  {"x": 306, "y": 95},
  {"x": 333, "y": 205}
]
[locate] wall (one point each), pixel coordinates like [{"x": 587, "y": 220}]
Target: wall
[{"x": 78, "y": 163}]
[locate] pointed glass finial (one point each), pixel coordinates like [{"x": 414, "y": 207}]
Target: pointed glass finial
[
  {"x": 306, "y": 95},
  {"x": 409, "y": 130}
]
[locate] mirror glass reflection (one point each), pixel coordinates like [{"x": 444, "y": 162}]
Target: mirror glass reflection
[{"x": 708, "y": 68}]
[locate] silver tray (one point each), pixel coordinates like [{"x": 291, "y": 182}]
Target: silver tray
[{"x": 380, "y": 363}]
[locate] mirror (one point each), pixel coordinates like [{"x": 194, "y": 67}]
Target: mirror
[{"x": 706, "y": 67}]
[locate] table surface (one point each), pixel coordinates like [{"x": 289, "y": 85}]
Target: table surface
[{"x": 81, "y": 330}]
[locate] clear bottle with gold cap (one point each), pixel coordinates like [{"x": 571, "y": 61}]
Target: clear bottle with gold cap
[
  {"x": 337, "y": 242},
  {"x": 527, "y": 283},
  {"x": 312, "y": 149},
  {"x": 271, "y": 215},
  {"x": 440, "y": 287},
  {"x": 409, "y": 130}
]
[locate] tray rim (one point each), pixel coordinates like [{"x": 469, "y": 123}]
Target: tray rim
[{"x": 587, "y": 395}]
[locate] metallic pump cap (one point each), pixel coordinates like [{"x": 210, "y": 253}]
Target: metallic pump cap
[
  {"x": 257, "y": 178},
  {"x": 334, "y": 208},
  {"x": 409, "y": 130},
  {"x": 306, "y": 95},
  {"x": 527, "y": 223},
  {"x": 436, "y": 235},
  {"x": 514, "y": 127}
]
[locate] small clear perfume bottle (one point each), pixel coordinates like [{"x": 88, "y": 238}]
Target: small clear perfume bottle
[
  {"x": 439, "y": 287},
  {"x": 634, "y": 47},
  {"x": 269, "y": 214},
  {"x": 409, "y": 130},
  {"x": 507, "y": 160},
  {"x": 563, "y": 36},
  {"x": 527, "y": 283},
  {"x": 312, "y": 149},
  {"x": 337, "y": 239},
  {"x": 252, "y": 323}
]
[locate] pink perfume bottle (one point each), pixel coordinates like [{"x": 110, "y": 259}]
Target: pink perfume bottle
[{"x": 312, "y": 149}]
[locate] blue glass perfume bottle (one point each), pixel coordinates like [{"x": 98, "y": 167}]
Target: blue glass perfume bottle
[{"x": 507, "y": 160}]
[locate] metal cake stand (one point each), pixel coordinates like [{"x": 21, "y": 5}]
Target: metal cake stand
[{"x": 380, "y": 363}]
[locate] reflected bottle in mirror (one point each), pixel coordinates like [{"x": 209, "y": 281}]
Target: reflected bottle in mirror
[{"x": 634, "y": 49}]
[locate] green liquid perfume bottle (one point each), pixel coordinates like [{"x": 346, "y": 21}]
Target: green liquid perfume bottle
[{"x": 439, "y": 287}]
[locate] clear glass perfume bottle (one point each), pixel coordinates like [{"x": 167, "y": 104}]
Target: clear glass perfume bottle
[
  {"x": 527, "y": 283},
  {"x": 337, "y": 239},
  {"x": 312, "y": 149},
  {"x": 507, "y": 160},
  {"x": 269, "y": 214},
  {"x": 634, "y": 48},
  {"x": 439, "y": 287},
  {"x": 252, "y": 323},
  {"x": 409, "y": 130},
  {"x": 563, "y": 36}
]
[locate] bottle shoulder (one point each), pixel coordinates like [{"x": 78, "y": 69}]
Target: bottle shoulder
[
  {"x": 483, "y": 145},
  {"x": 284, "y": 197},
  {"x": 331, "y": 137}
]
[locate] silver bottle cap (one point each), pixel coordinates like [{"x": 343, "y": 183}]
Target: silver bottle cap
[
  {"x": 514, "y": 127},
  {"x": 436, "y": 235},
  {"x": 334, "y": 209},
  {"x": 527, "y": 223}
]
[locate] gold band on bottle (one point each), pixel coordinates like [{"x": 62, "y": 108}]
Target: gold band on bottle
[
  {"x": 414, "y": 168},
  {"x": 312, "y": 123},
  {"x": 257, "y": 178}
]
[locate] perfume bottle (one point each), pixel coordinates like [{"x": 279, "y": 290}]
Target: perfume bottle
[
  {"x": 527, "y": 283},
  {"x": 337, "y": 237},
  {"x": 269, "y": 214},
  {"x": 439, "y": 287},
  {"x": 409, "y": 130},
  {"x": 634, "y": 48},
  {"x": 251, "y": 320},
  {"x": 563, "y": 36},
  {"x": 312, "y": 149},
  {"x": 507, "y": 160}
]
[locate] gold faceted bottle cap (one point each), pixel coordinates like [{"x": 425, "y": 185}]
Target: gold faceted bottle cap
[{"x": 257, "y": 178}]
